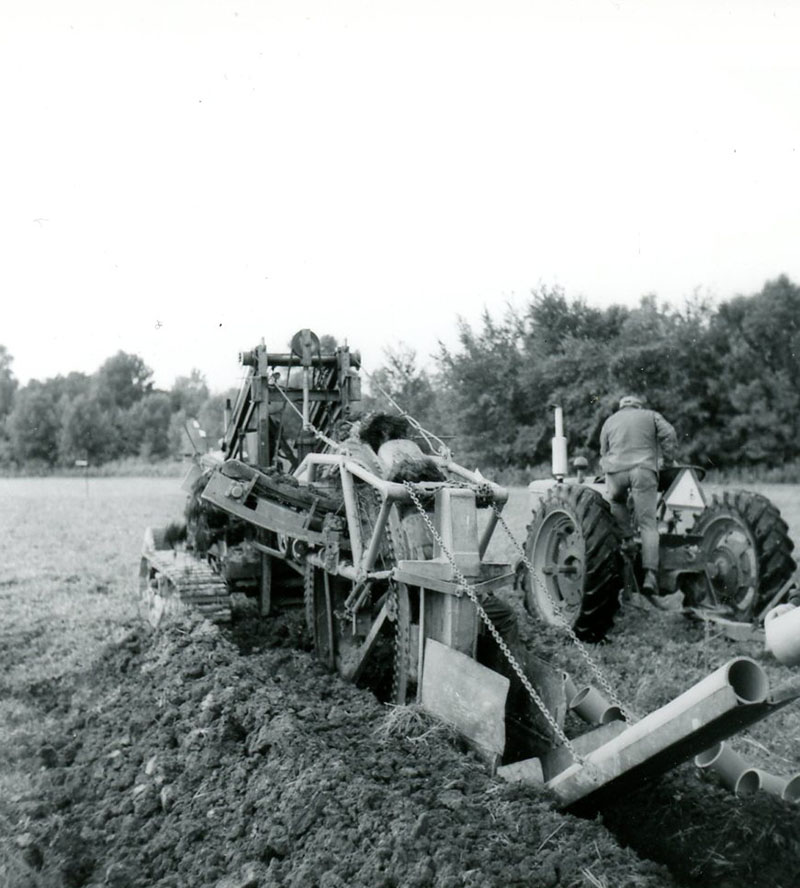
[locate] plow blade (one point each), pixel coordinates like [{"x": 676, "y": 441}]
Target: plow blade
[{"x": 731, "y": 698}]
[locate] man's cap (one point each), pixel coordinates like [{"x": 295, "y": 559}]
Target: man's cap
[{"x": 630, "y": 401}]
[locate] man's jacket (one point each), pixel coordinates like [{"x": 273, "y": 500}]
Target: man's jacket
[{"x": 633, "y": 437}]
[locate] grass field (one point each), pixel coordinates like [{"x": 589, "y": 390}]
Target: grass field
[
  {"x": 67, "y": 584},
  {"x": 66, "y": 590}
]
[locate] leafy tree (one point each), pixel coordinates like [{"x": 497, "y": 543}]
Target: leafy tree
[
  {"x": 86, "y": 432},
  {"x": 8, "y": 384},
  {"x": 122, "y": 380},
  {"x": 482, "y": 396},
  {"x": 34, "y": 423},
  {"x": 402, "y": 381},
  {"x": 189, "y": 393},
  {"x": 211, "y": 415},
  {"x": 552, "y": 321},
  {"x": 147, "y": 426}
]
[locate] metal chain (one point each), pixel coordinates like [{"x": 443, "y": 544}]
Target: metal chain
[
  {"x": 334, "y": 445},
  {"x": 473, "y": 597},
  {"x": 559, "y": 612},
  {"x": 308, "y": 599},
  {"x": 402, "y": 642},
  {"x": 442, "y": 449}
]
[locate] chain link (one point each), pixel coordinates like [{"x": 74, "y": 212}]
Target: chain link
[
  {"x": 402, "y": 642},
  {"x": 473, "y": 597},
  {"x": 561, "y": 617},
  {"x": 334, "y": 445},
  {"x": 308, "y": 599}
]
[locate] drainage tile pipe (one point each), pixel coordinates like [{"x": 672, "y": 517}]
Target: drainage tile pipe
[
  {"x": 593, "y": 707},
  {"x": 732, "y": 697},
  {"x": 791, "y": 792},
  {"x": 771, "y": 783},
  {"x": 726, "y": 763}
]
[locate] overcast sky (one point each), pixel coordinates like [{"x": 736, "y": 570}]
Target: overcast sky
[{"x": 180, "y": 179}]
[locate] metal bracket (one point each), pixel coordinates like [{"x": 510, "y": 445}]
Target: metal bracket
[{"x": 332, "y": 540}]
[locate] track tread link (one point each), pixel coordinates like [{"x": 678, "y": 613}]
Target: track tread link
[
  {"x": 768, "y": 529},
  {"x": 602, "y": 580},
  {"x": 196, "y": 583}
]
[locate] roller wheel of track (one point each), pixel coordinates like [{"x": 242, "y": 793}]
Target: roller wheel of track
[
  {"x": 746, "y": 551},
  {"x": 573, "y": 545}
]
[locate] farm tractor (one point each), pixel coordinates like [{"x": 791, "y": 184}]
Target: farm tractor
[
  {"x": 369, "y": 524},
  {"x": 732, "y": 563}
]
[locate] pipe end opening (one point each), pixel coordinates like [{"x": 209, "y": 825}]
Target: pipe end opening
[
  {"x": 708, "y": 757},
  {"x": 748, "y": 783},
  {"x": 748, "y": 680},
  {"x": 613, "y": 713},
  {"x": 791, "y": 792},
  {"x": 578, "y": 697}
]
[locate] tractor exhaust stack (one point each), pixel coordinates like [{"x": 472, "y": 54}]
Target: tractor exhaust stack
[{"x": 560, "y": 464}]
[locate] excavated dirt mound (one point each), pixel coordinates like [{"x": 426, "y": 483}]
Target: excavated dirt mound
[{"x": 199, "y": 757}]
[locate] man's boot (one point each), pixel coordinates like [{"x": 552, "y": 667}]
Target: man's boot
[
  {"x": 650, "y": 584},
  {"x": 650, "y": 590}
]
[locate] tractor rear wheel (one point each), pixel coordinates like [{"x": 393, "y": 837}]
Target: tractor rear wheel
[
  {"x": 573, "y": 546},
  {"x": 746, "y": 552}
]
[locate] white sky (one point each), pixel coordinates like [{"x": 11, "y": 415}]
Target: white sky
[{"x": 182, "y": 177}]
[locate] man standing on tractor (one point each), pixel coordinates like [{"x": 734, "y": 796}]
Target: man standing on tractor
[{"x": 634, "y": 442}]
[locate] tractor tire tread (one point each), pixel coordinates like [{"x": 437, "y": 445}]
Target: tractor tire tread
[
  {"x": 601, "y": 582},
  {"x": 768, "y": 530}
]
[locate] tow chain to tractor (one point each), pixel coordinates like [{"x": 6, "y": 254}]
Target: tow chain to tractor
[
  {"x": 427, "y": 436},
  {"x": 464, "y": 586},
  {"x": 559, "y": 612}
]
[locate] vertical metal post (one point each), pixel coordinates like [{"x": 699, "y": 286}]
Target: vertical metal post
[
  {"x": 377, "y": 533},
  {"x": 306, "y": 371},
  {"x": 351, "y": 511},
  {"x": 226, "y": 417},
  {"x": 265, "y": 585},
  {"x": 421, "y": 648},
  {"x": 329, "y": 617},
  {"x": 262, "y": 407}
]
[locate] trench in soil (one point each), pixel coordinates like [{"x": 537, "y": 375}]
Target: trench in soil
[{"x": 684, "y": 821}]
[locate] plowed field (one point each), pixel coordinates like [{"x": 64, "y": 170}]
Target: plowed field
[{"x": 231, "y": 758}]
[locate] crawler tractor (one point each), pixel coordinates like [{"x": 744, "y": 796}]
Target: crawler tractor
[
  {"x": 729, "y": 554},
  {"x": 369, "y": 524}
]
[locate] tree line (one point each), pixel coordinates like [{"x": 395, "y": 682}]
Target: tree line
[
  {"x": 727, "y": 376},
  {"x": 114, "y": 413}
]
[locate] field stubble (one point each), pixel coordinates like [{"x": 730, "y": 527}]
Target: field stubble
[{"x": 81, "y": 685}]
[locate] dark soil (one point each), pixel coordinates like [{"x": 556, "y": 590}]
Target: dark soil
[
  {"x": 196, "y": 757},
  {"x": 231, "y": 758}
]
